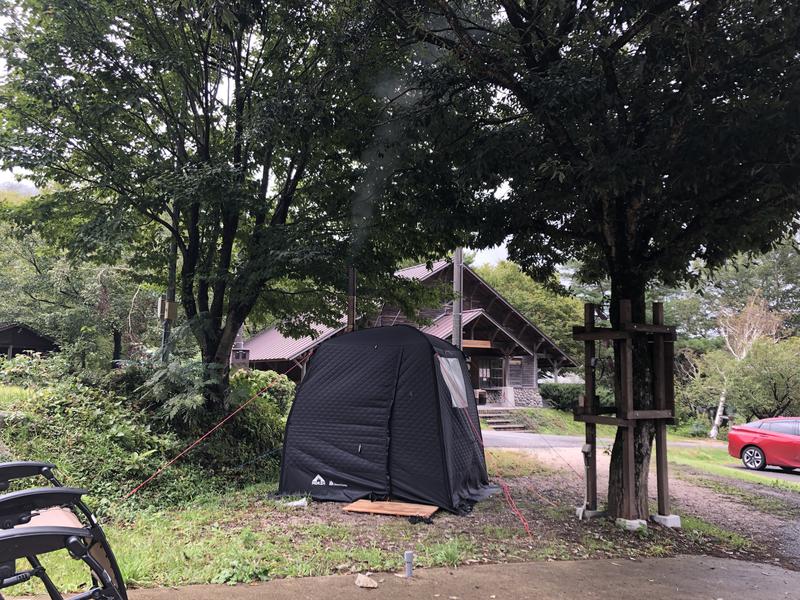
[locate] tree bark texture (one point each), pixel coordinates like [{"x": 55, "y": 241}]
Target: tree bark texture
[
  {"x": 718, "y": 417},
  {"x": 632, "y": 288},
  {"x": 117, "y": 352}
]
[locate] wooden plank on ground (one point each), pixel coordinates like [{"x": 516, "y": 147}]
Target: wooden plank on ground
[{"x": 399, "y": 509}]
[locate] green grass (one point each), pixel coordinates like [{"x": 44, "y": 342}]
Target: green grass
[
  {"x": 450, "y": 553},
  {"x": 224, "y": 540},
  {"x": 558, "y": 422},
  {"x": 714, "y": 460},
  {"x": 206, "y": 543},
  {"x": 700, "y": 530},
  {"x": 10, "y": 395},
  {"x": 765, "y": 503},
  {"x": 510, "y": 463}
]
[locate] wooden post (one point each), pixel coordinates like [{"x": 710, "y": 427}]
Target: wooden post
[
  {"x": 590, "y": 407},
  {"x": 458, "y": 297},
  {"x": 660, "y": 372},
  {"x": 626, "y": 390}
]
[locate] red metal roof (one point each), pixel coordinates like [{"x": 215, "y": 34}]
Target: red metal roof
[
  {"x": 422, "y": 271},
  {"x": 443, "y": 326},
  {"x": 271, "y": 344}
]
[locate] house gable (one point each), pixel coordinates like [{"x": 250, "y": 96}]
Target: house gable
[
  {"x": 478, "y": 295},
  {"x": 16, "y": 338}
]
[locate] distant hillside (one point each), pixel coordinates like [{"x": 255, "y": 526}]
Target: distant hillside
[{"x": 12, "y": 192}]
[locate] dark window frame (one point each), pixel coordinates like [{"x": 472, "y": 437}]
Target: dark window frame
[{"x": 490, "y": 372}]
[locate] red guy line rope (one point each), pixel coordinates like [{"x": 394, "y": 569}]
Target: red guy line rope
[
  {"x": 514, "y": 509},
  {"x": 200, "y": 440}
]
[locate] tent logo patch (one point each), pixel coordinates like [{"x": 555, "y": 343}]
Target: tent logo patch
[
  {"x": 318, "y": 480},
  {"x": 334, "y": 484}
]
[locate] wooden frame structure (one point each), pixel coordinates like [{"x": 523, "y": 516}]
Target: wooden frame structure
[{"x": 661, "y": 340}]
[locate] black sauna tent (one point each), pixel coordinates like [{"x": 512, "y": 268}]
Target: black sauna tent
[{"x": 386, "y": 412}]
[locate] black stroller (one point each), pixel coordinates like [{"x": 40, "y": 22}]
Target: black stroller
[{"x": 47, "y": 519}]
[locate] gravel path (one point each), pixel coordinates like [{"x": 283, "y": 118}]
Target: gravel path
[{"x": 769, "y": 516}]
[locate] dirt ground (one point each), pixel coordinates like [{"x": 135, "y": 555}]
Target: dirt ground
[
  {"x": 768, "y": 516},
  {"x": 751, "y": 526},
  {"x": 734, "y": 524}
]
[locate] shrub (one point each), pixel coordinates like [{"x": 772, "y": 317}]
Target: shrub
[
  {"x": 694, "y": 427},
  {"x": 278, "y": 389},
  {"x": 172, "y": 392},
  {"x": 96, "y": 442},
  {"x": 32, "y": 370},
  {"x": 565, "y": 396},
  {"x": 110, "y": 433},
  {"x": 252, "y": 439},
  {"x": 562, "y": 396}
]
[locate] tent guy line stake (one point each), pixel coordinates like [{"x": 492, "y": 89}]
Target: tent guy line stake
[{"x": 202, "y": 438}]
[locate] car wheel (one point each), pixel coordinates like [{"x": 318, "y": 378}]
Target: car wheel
[{"x": 753, "y": 458}]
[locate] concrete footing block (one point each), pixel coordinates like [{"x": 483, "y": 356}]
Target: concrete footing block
[
  {"x": 632, "y": 524},
  {"x": 584, "y": 514},
  {"x": 673, "y": 521}
]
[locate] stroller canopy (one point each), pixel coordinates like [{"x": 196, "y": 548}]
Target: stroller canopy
[{"x": 385, "y": 412}]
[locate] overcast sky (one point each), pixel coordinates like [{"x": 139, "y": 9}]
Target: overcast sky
[{"x": 491, "y": 255}]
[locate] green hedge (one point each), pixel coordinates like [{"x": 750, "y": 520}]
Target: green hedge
[{"x": 564, "y": 396}]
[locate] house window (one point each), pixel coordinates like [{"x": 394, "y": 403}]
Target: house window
[{"x": 490, "y": 372}]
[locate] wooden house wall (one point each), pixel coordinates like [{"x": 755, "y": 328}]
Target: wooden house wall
[
  {"x": 522, "y": 374},
  {"x": 21, "y": 339}
]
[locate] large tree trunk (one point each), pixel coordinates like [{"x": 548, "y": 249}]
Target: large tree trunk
[
  {"x": 216, "y": 353},
  {"x": 117, "y": 353},
  {"x": 217, "y": 378},
  {"x": 630, "y": 287},
  {"x": 718, "y": 417}
]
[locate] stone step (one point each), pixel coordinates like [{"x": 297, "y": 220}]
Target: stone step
[{"x": 510, "y": 427}]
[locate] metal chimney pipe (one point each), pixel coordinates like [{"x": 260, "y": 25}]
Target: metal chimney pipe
[
  {"x": 351, "y": 298},
  {"x": 458, "y": 296}
]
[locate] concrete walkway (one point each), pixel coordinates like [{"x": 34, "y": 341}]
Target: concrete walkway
[{"x": 680, "y": 578}]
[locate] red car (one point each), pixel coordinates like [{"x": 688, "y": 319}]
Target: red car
[{"x": 774, "y": 442}]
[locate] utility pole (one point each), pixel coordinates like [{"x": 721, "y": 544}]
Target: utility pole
[
  {"x": 351, "y": 298},
  {"x": 458, "y": 296}
]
